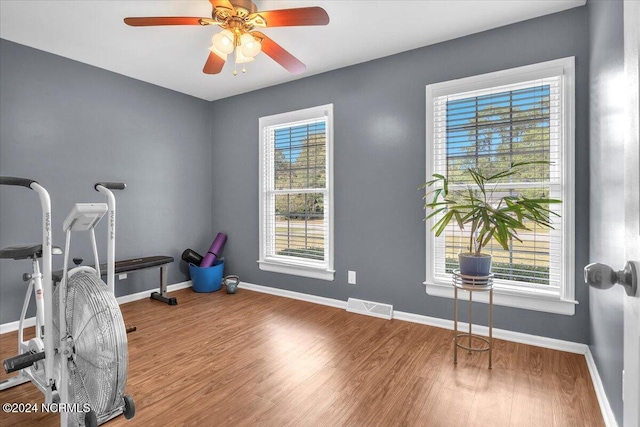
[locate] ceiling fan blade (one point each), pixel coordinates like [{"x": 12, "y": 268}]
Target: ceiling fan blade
[
  {"x": 279, "y": 54},
  {"x": 224, "y": 4},
  {"x": 163, "y": 20},
  {"x": 214, "y": 64},
  {"x": 294, "y": 17}
]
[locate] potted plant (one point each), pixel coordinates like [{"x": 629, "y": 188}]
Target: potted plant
[{"x": 489, "y": 215}]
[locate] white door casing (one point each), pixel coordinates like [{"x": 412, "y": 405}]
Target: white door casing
[{"x": 631, "y": 383}]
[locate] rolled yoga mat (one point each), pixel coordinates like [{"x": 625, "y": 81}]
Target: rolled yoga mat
[
  {"x": 214, "y": 250},
  {"x": 191, "y": 257}
]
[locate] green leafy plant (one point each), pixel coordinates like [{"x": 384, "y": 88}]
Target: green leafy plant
[{"x": 489, "y": 217}]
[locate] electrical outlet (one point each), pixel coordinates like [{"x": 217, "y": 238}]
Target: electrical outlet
[
  {"x": 352, "y": 277},
  {"x": 122, "y": 276}
]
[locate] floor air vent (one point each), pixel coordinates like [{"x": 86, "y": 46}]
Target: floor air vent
[{"x": 370, "y": 308}]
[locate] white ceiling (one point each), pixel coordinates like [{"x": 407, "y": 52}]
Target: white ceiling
[{"x": 92, "y": 31}]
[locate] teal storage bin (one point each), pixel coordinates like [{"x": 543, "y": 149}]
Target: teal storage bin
[{"x": 207, "y": 279}]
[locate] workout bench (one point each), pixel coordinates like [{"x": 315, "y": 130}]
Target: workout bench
[{"x": 137, "y": 264}]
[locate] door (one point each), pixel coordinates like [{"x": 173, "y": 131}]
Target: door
[{"x": 631, "y": 382}]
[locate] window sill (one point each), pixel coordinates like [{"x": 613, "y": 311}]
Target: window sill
[
  {"x": 508, "y": 299},
  {"x": 297, "y": 270}
]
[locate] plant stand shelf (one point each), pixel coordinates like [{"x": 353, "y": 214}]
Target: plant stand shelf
[{"x": 471, "y": 284}]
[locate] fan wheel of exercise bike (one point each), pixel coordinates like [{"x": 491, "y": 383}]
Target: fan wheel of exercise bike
[
  {"x": 98, "y": 368},
  {"x": 242, "y": 17}
]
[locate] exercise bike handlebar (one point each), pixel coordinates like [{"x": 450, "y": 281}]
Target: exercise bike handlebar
[
  {"x": 111, "y": 185},
  {"x": 21, "y": 182},
  {"x": 45, "y": 204},
  {"x": 105, "y": 188}
]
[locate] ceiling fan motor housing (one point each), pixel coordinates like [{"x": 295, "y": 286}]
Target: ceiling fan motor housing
[{"x": 244, "y": 7}]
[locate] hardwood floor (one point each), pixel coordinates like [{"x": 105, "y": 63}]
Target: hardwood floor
[{"x": 255, "y": 359}]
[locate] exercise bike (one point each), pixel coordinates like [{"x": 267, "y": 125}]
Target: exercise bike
[
  {"x": 84, "y": 344},
  {"x": 32, "y": 352}
]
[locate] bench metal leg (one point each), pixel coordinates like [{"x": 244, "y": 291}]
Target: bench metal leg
[{"x": 162, "y": 295}]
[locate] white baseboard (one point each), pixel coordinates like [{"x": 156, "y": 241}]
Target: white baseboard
[
  {"x": 31, "y": 321},
  {"x": 502, "y": 334},
  {"x": 13, "y": 326},
  {"x": 605, "y": 408},
  {"x": 294, "y": 295}
]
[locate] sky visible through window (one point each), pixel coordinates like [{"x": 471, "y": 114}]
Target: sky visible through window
[
  {"x": 473, "y": 123},
  {"x": 490, "y": 132},
  {"x": 290, "y": 140}
]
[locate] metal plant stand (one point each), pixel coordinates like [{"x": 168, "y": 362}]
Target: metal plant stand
[{"x": 472, "y": 284}]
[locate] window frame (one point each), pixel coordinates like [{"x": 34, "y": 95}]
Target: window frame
[
  {"x": 301, "y": 267},
  {"x": 564, "y": 302}
]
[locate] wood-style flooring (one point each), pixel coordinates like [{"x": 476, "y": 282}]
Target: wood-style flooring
[{"x": 255, "y": 359}]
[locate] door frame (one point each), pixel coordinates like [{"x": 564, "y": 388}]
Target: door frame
[{"x": 631, "y": 378}]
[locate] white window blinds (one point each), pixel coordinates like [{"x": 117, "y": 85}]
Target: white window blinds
[
  {"x": 490, "y": 129},
  {"x": 295, "y": 190}
]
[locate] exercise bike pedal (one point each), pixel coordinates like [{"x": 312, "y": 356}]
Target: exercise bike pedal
[{"x": 21, "y": 361}]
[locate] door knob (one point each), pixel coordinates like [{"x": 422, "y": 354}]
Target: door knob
[{"x": 601, "y": 276}]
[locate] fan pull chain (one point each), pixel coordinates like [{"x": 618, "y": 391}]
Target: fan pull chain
[
  {"x": 235, "y": 63},
  {"x": 235, "y": 69}
]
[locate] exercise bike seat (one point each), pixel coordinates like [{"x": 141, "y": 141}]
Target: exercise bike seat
[{"x": 26, "y": 251}]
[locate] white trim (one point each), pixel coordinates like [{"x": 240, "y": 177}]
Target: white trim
[
  {"x": 31, "y": 321},
  {"x": 517, "y": 300},
  {"x": 564, "y": 303},
  {"x": 13, "y": 326},
  {"x": 630, "y": 120},
  {"x": 297, "y": 270},
  {"x": 503, "y": 334},
  {"x": 503, "y": 77},
  {"x": 605, "y": 407},
  {"x": 294, "y": 295},
  {"x": 326, "y": 272}
]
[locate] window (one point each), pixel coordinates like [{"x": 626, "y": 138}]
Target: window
[
  {"x": 296, "y": 193},
  {"x": 489, "y": 122}
]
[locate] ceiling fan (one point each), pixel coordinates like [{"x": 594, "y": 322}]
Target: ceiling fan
[{"x": 238, "y": 18}]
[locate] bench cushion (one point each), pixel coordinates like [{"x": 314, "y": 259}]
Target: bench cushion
[
  {"x": 26, "y": 251},
  {"x": 128, "y": 265}
]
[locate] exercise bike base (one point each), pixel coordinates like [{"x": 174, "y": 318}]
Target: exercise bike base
[
  {"x": 168, "y": 300},
  {"x": 13, "y": 381}
]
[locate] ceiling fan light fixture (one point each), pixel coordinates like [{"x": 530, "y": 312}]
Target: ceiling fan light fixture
[
  {"x": 237, "y": 20},
  {"x": 249, "y": 46},
  {"x": 242, "y": 59},
  {"x": 223, "y": 42}
]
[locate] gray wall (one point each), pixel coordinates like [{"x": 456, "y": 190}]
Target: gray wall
[
  {"x": 69, "y": 125},
  {"x": 192, "y": 168},
  {"x": 606, "y": 49},
  {"x": 379, "y": 113}
]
